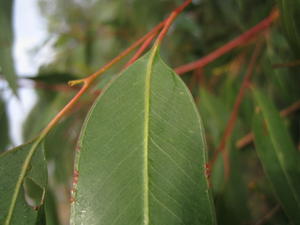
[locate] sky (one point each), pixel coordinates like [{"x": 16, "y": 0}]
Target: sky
[{"x": 29, "y": 32}]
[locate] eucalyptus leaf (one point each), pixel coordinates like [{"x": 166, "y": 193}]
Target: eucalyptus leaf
[
  {"x": 4, "y": 137},
  {"x": 279, "y": 157},
  {"x": 216, "y": 114},
  {"x": 143, "y": 153},
  {"x": 52, "y": 78},
  {"x": 23, "y": 173},
  {"x": 232, "y": 203},
  {"x": 230, "y": 194},
  {"x": 6, "y": 39},
  {"x": 290, "y": 10}
]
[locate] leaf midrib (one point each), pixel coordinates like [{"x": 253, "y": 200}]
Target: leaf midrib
[{"x": 149, "y": 71}]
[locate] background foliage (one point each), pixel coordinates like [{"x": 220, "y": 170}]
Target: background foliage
[{"x": 89, "y": 33}]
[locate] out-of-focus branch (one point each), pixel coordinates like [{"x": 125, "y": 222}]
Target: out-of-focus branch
[
  {"x": 288, "y": 64},
  {"x": 242, "y": 39},
  {"x": 269, "y": 215},
  {"x": 248, "y": 138},
  {"x": 233, "y": 116}
]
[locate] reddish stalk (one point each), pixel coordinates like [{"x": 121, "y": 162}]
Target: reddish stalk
[
  {"x": 88, "y": 81},
  {"x": 64, "y": 111},
  {"x": 248, "y": 138},
  {"x": 170, "y": 20},
  {"x": 196, "y": 78},
  {"x": 233, "y": 116},
  {"x": 140, "y": 51},
  {"x": 288, "y": 64},
  {"x": 242, "y": 39},
  {"x": 269, "y": 215}
]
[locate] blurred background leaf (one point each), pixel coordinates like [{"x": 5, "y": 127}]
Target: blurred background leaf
[
  {"x": 4, "y": 129},
  {"x": 6, "y": 41},
  {"x": 278, "y": 156},
  {"x": 290, "y": 10}
]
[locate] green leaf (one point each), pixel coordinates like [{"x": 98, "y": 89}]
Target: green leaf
[
  {"x": 51, "y": 209},
  {"x": 52, "y": 78},
  {"x": 278, "y": 156},
  {"x": 6, "y": 39},
  {"x": 232, "y": 205},
  {"x": 290, "y": 10},
  {"x": 230, "y": 194},
  {"x": 23, "y": 173},
  {"x": 143, "y": 153},
  {"x": 4, "y": 137},
  {"x": 216, "y": 115}
]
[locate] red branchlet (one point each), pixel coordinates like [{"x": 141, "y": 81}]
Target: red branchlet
[{"x": 242, "y": 39}]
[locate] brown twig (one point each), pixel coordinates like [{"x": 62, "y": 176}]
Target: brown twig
[
  {"x": 242, "y": 39},
  {"x": 196, "y": 78},
  {"x": 233, "y": 116},
  {"x": 167, "y": 23},
  {"x": 140, "y": 51},
  {"x": 170, "y": 20},
  {"x": 288, "y": 64},
  {"x": 88, "y": 81},
  {"x": 269, "y": 215},
  {"x": 248, "y": 138}
]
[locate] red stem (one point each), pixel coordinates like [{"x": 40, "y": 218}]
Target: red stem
[
  {"x": 248, "y": 138},
  {"x": 88, "y": 81},
  {"x": 167, "y": 23},
  {"x": 170, "y": 20},
  {"x": 140, "y": 51},
  {"x": 243, "y": 38},
  {"x": 233, "y": 116}
]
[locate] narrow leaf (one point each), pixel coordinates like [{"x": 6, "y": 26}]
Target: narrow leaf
[
  {"x": 6, "y": 40},
  {"x": 290, "y": 10},
  {"x": 230, "y": 194},
  {"x": 278, "y": 156},
  {"x": 23, "y": 183},
  {"x": 143, "y": 153},
  {"x": 4, "y": 137}
]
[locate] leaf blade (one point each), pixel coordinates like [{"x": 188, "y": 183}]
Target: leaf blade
[
  {"x": 4, "y": 128},
  {"x": 148, "y": 174},
  {"x": 6, "y": 39},
  {"x": 14, "y": 170},
  {"x": 278, "y": 156}
]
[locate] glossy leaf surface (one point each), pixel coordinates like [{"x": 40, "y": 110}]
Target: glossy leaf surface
[
  {"x": 278, "y": 156},
  {"x": 22, "y": 196},
  {"x": 143, "y": 153}
]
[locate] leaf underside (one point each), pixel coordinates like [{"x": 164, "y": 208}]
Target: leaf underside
[
  {"x": 23, "y": 210},
  {"x": 278, "y": 156},
  {"x": 143, "y": 153}
]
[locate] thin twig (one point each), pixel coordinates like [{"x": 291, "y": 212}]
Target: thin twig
[
  {"x": 233, "y": 116},
  {"x": 140, "y": 51},
  {"x": 170, "y": 20},
  {"x": 288, "y": 64},
  {"x": 242, "y": 39},
  {"x": 269, "y": 215},
  {"x": 167, "y": 23},
  {"x": 248, "y": 138},
  {"x": 88, "y": 81}
]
